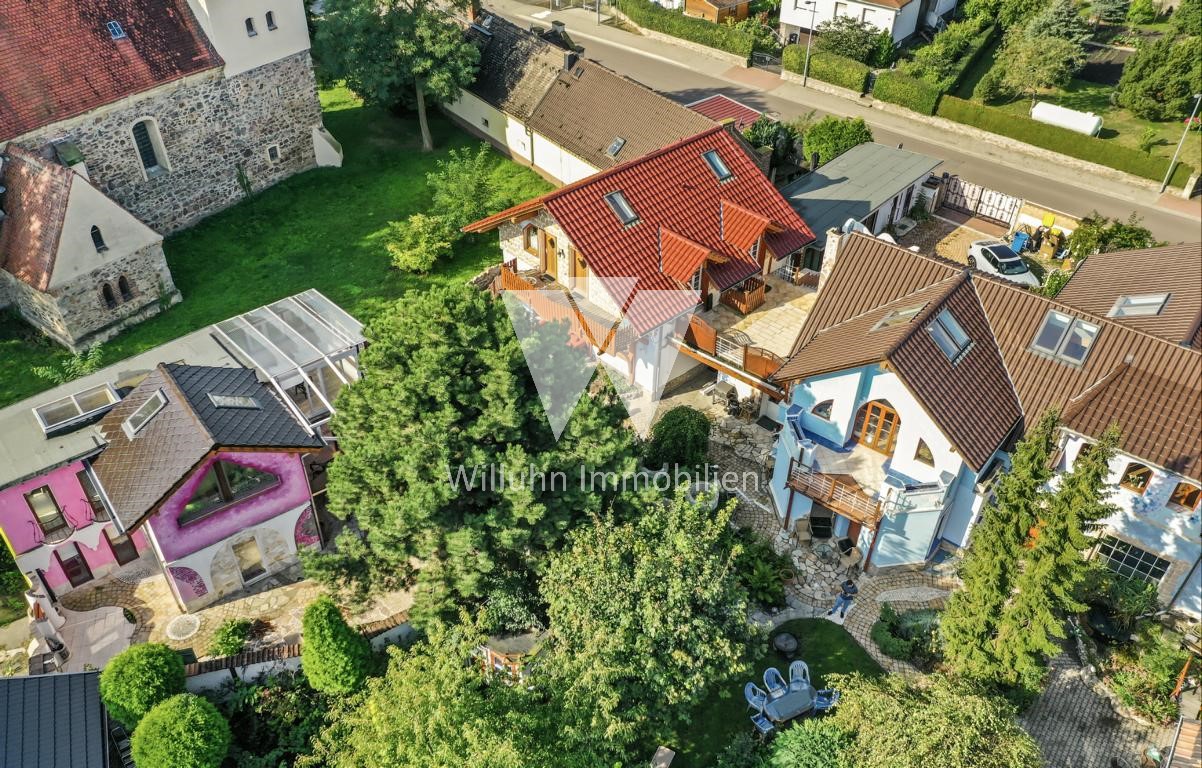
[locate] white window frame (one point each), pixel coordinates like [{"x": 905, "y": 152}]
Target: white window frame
[
  {"x": 622, "y": 208},
  {"x": 945, "y": 328},
  {"x": 46, "y": 426},
  {"x": 145, "y": 412},
  {"x": 717, "y": 165},
  {"x": 1126, "y": 559},
  {"x": 1139, "y": 305},
  {"x": 1057, "y": 350}
]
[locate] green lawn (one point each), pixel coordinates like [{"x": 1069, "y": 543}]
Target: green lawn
[
  {"x": 826, "y": 647},
  {"x": 320, "y": 229}
]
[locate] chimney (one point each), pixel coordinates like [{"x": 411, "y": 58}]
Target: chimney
[
  {"x": 569, "y": 57},
  {"x": 813, "y": 161},
  {"x": 473, "y": 11},
  {"x": 830, "y": 252}
]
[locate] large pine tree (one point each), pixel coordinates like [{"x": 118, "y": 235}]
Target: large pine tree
[{"x": 990, "y": 569}]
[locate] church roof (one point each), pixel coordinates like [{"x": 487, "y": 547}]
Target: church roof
[{"x": 35, "y": 204}]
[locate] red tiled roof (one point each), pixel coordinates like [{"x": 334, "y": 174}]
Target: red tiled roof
[
  {"x": 680, "y": 257},
  {"x": 58, "y": 58},
  {"x": 34, "y": 205},
  {"x": 674, "y": 189},
  {"x": 720, "y": 108}
]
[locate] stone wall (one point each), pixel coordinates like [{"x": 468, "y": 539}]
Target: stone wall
[{"x": 215, "y": 133}]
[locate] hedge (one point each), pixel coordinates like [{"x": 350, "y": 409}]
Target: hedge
[
  {"x": 979, "y": 44},
  {"x": 655, "y": 17},
  {"x": 827, "y": 67},
  {"x": 1062, "y": 140},
  {"x": 910, "y": 92}
]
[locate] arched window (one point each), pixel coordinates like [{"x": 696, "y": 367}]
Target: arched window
[
  {"x": 923, "y": 454},
  {"x": 823, "y": 409},
  {"x": 98, "y": 240},
  {"x": 250, "y": 27},
  {"x": 123, "y": 287},
  {"x": 150, "y": 147},
  {"x": 271, "y": 20},
  {"x": 106, "y": 293},
  {"x": 530, "y": 239},
  {"x": 1136, "y": 477}
]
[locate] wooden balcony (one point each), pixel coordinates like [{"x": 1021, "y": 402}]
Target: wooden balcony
[
  {"x": 587, "y": 323},
  {"x": 746, "y": 298},
  {"x": 840, "y": 493}
]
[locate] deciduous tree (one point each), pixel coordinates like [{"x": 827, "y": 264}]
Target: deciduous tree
[
  {"x": 853, "y": 38},
  {"x": 1035, "y": 63},
  {"x": 832, "y": 136}
]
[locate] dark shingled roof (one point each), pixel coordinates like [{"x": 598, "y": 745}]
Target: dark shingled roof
[
  {"x": 53, "y": 721},
  {"x": 139, "y": 473},
  {"x": 58, "y": 58},
  {"x": 516, "y": 66}
]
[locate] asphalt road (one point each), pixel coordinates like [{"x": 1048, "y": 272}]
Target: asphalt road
[{"x": 1072, "y": 196}]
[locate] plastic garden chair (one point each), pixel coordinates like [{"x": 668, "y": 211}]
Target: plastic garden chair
[
  {"x": 799, "y": 675},
  {"x": 775, "y": 683},
  {"x": 756, "y": 698},
  {"x": 825, "y": 699},
  {"x": 763, "y": 725}
]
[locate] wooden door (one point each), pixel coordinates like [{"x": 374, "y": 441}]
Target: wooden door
[
  {"x": 879, "y": 428},
  {"x": 550, "y": 256},
  {"x": 578, "y": 267}
]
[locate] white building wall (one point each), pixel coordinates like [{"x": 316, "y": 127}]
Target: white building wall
[
  {"x": 794, "y": 14},
  {"x": 224, "y": 23},
  {"x": 916, "y": 424},
  {"x": 553, "y": 159},
  {"x": 123, "y": 234},
  {"x": 505, "y": 132}
]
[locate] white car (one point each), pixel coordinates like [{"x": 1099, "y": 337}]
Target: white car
[{"x": 994, "y": 257}]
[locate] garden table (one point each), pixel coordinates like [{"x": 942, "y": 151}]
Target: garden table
[{"x": 791, "y": 705}]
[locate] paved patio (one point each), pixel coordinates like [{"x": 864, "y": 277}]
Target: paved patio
[
  {"x": 945, "y": 237},
  {"x": 774, "y": 324}
]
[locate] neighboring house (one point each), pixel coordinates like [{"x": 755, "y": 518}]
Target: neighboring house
[
  {"x": 646, "y": 243},
  {"x": 76, "y": 265},
  {"x": 173, "y": 108},
  {"x": 54, "y": 721},
  {"x": 913, "y": 377},
  {"x": 566, "y": 116},
  {"x": 723, "y": 109},
  {"x": 209, "y": 451},
  {"x": 901, "y": 18},
  {"x": 872, "y": 184},
  {"x": 717, "y": 11}
]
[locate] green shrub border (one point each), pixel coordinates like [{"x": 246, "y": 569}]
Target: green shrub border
[
  {"x": 979, "y": 46},
  {"x": 910, "y": 92},
  {"x": 655, "y": 17},
  {"x": 827, "y": 67},
  {"x": 1056, "y": 139}
]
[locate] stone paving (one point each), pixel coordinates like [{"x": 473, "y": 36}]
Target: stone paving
[
  {"x": 943, "y": 237},
  {"x": 774, "y": 324}
]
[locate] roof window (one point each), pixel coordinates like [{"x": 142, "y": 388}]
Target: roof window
[
  {"x": 949, "y": 336},
  {"x": 1064, "y": 337},
  {"x": 234, "y": 401},
  {"x": 717, "y": 166},
  {"x": 616, "y": 147},
  {"x": 75, "y": 408},
  {"x": 898, "y": 317},
  {"x": 1141, "y": 305},
  {"x": 145, "y": 412},
  {"x": 116, "y": 31},
  {"x": 621, "y": 206}
]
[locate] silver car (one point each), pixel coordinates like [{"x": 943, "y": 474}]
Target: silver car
[{"x": 994, "y": 257}]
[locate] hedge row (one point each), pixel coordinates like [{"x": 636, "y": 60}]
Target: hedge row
[
  {"x": 674, "y": 23},
  {"x": 1060, "y": 140},
  {"x": 979, "y": 44},
  {"x": 827, "y": 67},
  {"x": 910, "y": 92}
]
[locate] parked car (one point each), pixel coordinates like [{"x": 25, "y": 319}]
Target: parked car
[{"x": 994, "y": 257}]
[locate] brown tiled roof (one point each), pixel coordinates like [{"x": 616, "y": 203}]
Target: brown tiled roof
[
  {"x": 516, "y": 66},
  {"x": 34, "y": 204},
  {"x": 1173, "y": 269},
  {"x": 1150, "y": 387},
  {"x": 586, "y": 109},
  {"x": 58, "y": 58}
]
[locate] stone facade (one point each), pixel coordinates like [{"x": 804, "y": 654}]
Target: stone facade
[
  {"x": 77, "y": 314},
  {"x": 215, "y": 134}
]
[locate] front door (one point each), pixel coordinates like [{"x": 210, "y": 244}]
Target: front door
[
  {"x": 550, "y": 256},
  {"x": 250, "y": 560},
  {"x": 74, "y": 566},
  {"x": 879, "y": 429},
  {"x": 123, "y": 548}
]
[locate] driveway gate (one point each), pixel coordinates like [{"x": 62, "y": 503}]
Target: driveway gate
[{"x": 976, "y": 200}]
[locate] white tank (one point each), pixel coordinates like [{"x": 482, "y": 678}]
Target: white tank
[{"x": 1081, "y": 122}]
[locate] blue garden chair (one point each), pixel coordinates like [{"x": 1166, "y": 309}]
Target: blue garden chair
[
  {"x": 825, "y": 699},
  {"x": 763, "y": 725},
  {"x": 799, "y": 675},
  {"x": 756, "y": 698},
  {"x": 775, "y": 683}
]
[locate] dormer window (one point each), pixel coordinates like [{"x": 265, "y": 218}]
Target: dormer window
[
  {"x": 98, "y": 240},
  {"x": 622, "y": 208},
  {"x": 951, "y": 339},
  {"x": 1065, "y": 338},
  {"x": 271, "y": 21},
  {"x": 714, "y": 160},
  {"x": 144, "y": 413},
  {"x": 250, "y": 27},
  {"x": 754, "y": 250},
  {"x": 616, "y": 147},
  {"x": 116, "y": 31},
  {"x": 1141, "y": 305}
]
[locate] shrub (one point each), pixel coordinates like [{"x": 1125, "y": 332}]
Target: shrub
[
  {"x": 725, "y": 38},
  {"x": 1187, "y": 19},
  {"x": 778, "y": 136},
  {"x": 910, "y": 92},
  {"x": 993, "y": 86},
  {"x": 1144, "y": 675},
  {"x": 851, "y": 38},
  {"x": 813, "y": 744},
  {"x": 1159, "y": 81},
  {"x": 681, "y": 437},
  {"x": 955, "y": 49},
  {"x": 743, "y": 751},
  {"x": 1125, "y": 599},
  {"x": 462, "y": 189},
  {"x": 138, "y": 678},
  {"x": 335, "y": 657},
  {"x": 1141, "y": 12},
  {"x": 759, "y": 569},
  {"x": 185, "y": 731},
  {"x": 832, "y": 136},
  {"x": 273, "y": 720},
  {"x": 1061, "y": 140},
  {"x": 417, "y": 243},
  {"x": 910, "y": 636},
  {"x": 1054, "y": 282},
  {"x": 230, "y": 637},
  {"x": 1099, "y": 234},
  {"x": 1109, "y": 11},
  {"x": 827, "y": 67},
  {"x": 763, "y": 36}
]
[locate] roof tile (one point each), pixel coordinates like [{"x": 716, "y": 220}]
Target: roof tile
[{"x": 35, "y": 205}]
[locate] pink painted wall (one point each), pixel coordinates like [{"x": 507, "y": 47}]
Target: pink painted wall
[
  {"x": 293, "y": 491},
  {"x": 97, "y": 559}
]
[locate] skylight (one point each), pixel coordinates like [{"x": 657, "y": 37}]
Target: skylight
[
  {"x": 76, "y": 407},
  {"x": 717, "y": 166},
  {"x": 115, "y": 30},
  {"x": 1141, "y": 305},
  {"x": 1064, "y": 337},
  {"x": 145, "y": 412},
  {"x": 234, "y": 401},
  {"x": 951, "y": 339},
  {"x": 621, "y": 206},
  {"x": 898, "y": 317},
  {"x": 616, "y": 147}
]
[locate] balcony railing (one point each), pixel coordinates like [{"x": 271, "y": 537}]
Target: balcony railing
[
  {"x": 798, "y": 275},
  {"x": 746, "y": 298},
  {"x": 552, "y": 302},
  {"x": 734, "y": 348},
  {"x": 99, "y": 513},
  {"x": 843, "y": 497},
  {"x": 59, "y": 533}
]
